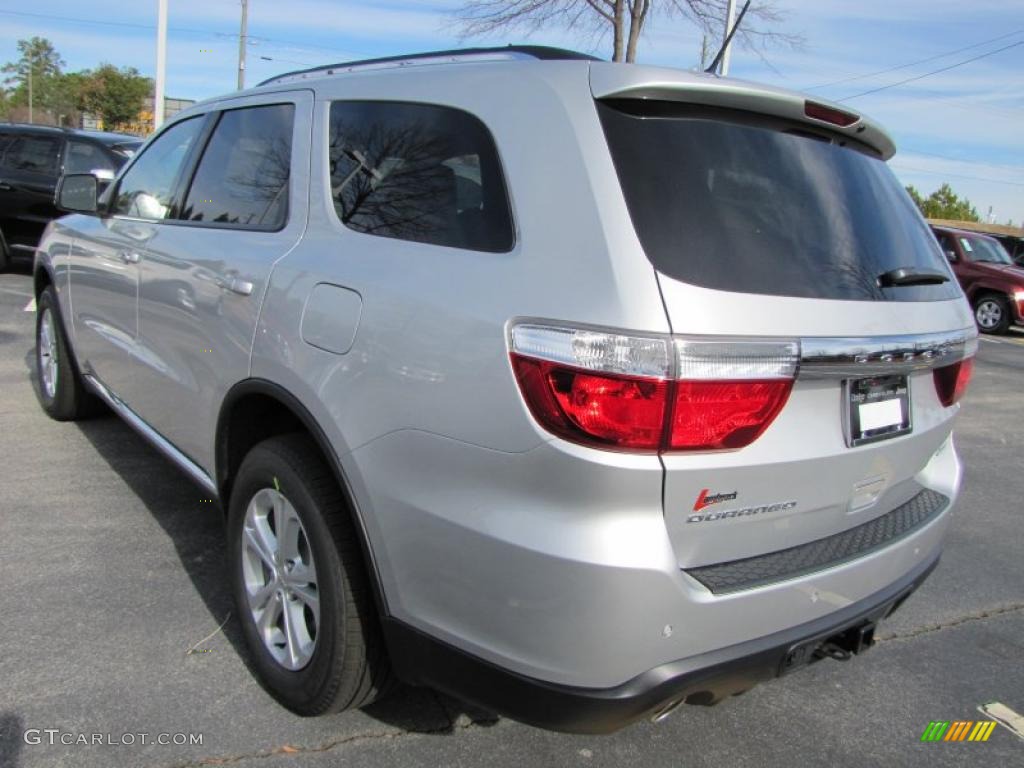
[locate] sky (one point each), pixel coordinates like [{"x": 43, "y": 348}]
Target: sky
[{"x": 964, "y": 125}]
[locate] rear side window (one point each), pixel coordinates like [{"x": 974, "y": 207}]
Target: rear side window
[
  {"x": 736, "y": 204},
  {"x": 242, "y": 178},
  {"x": 85, "y": 157},
  {"x": 36, "y": 154},
  {"x": 418, "y": 172}
]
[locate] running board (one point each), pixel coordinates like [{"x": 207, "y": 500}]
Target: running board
[{"x": 157, "y": 440}]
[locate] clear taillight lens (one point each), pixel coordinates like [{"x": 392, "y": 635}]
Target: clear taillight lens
[
  {"x": 951, "y": 381},
  {"x": 624, "y": 392}
]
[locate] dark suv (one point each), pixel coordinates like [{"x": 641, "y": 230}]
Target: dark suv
[
  {"x": 993, "y": 283},
  {"x": 32, "y": 158}
]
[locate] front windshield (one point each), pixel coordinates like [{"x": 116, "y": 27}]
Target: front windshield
[{"x": 983, "y": 249}]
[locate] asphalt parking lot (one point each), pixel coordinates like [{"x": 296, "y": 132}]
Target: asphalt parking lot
[{"x": 112, "y": 568}]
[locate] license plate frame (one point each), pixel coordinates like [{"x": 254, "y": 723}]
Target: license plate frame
[{"x": 870, "y": 409}]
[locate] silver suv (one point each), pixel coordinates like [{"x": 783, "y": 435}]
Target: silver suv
[{"x": 573, "y": 389}]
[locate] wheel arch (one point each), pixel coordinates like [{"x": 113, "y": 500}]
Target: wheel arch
[
  {"x": 256, "y": 409},
  {"x": 41, "y": 277},
  {"x": 984, "y": 288}
]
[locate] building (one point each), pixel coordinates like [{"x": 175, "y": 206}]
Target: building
[{"x": 143, "y": 124}]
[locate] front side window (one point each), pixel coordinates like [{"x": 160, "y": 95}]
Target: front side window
[
  {"x": 418, "y": 172},
  {"x": 85, "y": 157},
  {"x": 146, "y": 189},
  {"x": 242, "y": 178},
  {"x": 36, "y": 154}
]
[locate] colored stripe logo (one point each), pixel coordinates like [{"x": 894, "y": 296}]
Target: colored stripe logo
[{"x": 958, "y": 730}]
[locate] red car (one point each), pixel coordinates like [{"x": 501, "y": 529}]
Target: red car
[{"x": 993, "y": 283}]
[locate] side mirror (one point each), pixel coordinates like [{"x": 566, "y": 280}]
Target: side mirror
[
  {"x": 78, "y": 193},
  {"x": 103, "y": 178}
]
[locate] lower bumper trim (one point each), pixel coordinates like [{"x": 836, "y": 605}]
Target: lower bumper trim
[{"x": 419, "y": 659}]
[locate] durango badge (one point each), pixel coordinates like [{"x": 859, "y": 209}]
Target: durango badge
[{"x": 743, "y": 512}]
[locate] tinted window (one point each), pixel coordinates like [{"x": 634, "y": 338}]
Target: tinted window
[
  {"x": 38, "y": 154},
  {"x": 418, "y": 172},
  {"x": 753, "y": 206},
  {"x": 243, "y": 176},
  {"x": 85, "y": 157},
  {"x": 145, "y": 190}
]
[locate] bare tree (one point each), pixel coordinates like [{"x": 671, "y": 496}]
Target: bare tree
[{"x": 625, "y": 19}]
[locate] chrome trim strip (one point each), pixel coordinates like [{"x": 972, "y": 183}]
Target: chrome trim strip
[
  {"x": 837, "y": 358},
  {"x": 157, "y": 440}
]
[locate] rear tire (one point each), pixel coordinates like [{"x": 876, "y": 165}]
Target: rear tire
[
  {"x": 992, "y": 313},
  {"x": 5, "y": 255},
  {"x": 61, "y": 390},
  {"x": 301, "y": 590}
]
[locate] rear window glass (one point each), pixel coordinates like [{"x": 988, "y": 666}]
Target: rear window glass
[
  {"x": 418, "y": 172},
  {"x": 724, "y": 201}
]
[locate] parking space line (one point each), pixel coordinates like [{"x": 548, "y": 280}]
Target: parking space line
[
  {"x": 990, "y": 341},
  {"x": 31, "y": 306},
  {"x": 1005, "y": 716}
]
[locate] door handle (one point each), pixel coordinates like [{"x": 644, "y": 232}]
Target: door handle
[
  {"x": 130, "y": 257},
  {"x": 235, "y": 285},
  {"x": 5, "y": 186}
]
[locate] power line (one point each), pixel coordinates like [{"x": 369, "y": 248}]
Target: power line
[
  {"x": 1012, "y": 169},
  {"x": 933, "y": 72},
  {"x": 188, "y": 30},
  {"x": 899, "y": 164},
  {"x": 132, "y": 25},
  {"x": 913, "y": 63}
]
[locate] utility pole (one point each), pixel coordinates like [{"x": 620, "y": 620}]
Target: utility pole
[
  {"x": 31, "y": 64},
  {"x": 161, "y": 64},
  {"x": 730, "y": 13},
  {"x": 241, "y": 44}
]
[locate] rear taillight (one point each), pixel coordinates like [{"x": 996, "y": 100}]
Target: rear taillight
[
  {"x": 727, "y": 414},
  {"x": 728, "y": 392},
  {"x": 951, "y": 381},
  {"x": 650, "y": 394}
]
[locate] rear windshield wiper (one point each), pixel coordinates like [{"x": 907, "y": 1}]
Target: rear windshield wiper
[{"x": 904, "y": 276}]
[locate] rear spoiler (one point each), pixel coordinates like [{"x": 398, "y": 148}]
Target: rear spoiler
[{"x": 609, "y": 81}]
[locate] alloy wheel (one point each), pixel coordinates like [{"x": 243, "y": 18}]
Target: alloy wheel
[
  {"x": 280, "y": 579},
  {"x": 988, "y": 314},
  {"x": 46, "y": 348}
]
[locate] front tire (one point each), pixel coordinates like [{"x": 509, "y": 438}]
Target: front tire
[
  {"x": 992, "y": 313},
  {"x": 300, "y": 587},
  {"x": 60, "y": 389}
]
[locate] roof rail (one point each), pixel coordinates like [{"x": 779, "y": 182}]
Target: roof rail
[
  {"x": 19, "y": 124},
  {"x": 506, "y": 53}
]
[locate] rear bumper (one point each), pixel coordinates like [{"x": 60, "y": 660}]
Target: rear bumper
[{"x": 704, "y": 679}]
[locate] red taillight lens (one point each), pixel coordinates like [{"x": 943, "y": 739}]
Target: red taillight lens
[
  {"x": 646, "y": 393},
  {"x": 951, "y": 381},
  {"x": 709, "y": 415},
  {"x": 597, "y": 409}
]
